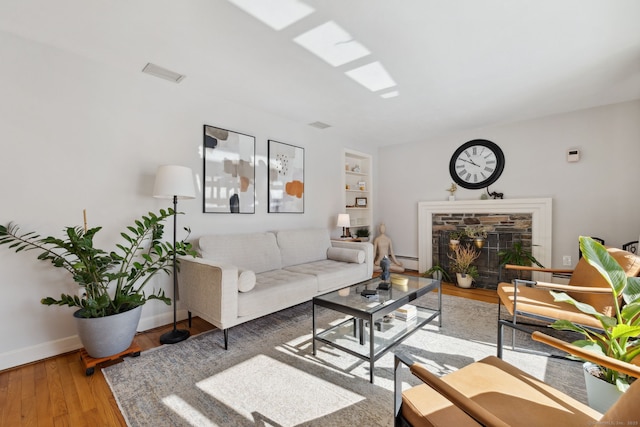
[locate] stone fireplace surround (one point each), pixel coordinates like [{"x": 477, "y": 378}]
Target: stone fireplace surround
[{"x": 541, "y": 222}]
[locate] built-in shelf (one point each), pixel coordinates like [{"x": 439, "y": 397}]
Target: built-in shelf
[{"x": 357, "y": 186}]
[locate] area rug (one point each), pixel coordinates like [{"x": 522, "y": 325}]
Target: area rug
[{"x": 269, "y": 376}]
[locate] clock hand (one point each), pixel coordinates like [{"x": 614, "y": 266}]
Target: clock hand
[{"x": 469, "y": 161}]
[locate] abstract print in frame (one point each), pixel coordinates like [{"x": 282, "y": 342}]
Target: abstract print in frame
[
  {"x": 228, "y": 171},
  {"x": 286, "y": 178}
]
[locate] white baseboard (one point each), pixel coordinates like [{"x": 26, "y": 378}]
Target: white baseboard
[
  {"x": 408, "y": 263},
  {"x": 22, "y": 356}
]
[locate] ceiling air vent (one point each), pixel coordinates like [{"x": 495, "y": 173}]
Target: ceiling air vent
[
  {"x": 163, "y": 73},
  {"x": 319, "y": 125}
]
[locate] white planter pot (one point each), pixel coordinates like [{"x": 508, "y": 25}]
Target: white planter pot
[
  {"x": 106, "y": 336},
  {"x": 600, "y": 394},
  {"x": 464, "y": 280}
]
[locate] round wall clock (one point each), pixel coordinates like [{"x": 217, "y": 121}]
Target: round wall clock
[{"x": 476, "y": 164}]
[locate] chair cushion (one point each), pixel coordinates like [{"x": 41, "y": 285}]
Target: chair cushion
[
  {"x": 541, "y": 302},
  {"x": 510, "y": 394},
  {"x": 586, "y": 275}
]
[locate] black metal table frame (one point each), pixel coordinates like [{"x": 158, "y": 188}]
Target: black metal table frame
[{"x": 372, "y": 318}]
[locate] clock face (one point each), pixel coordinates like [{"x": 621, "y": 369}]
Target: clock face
[{"x": 476, "y": 164}]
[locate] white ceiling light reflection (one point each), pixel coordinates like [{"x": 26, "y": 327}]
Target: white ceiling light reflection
[
  {"x": 373, "y": 76},
  {"x": 391, "y": 94},
  {"x": 332, "y": 44},
  {"x": 277, "y": 14},
  {"x": 239, "y": 387}
]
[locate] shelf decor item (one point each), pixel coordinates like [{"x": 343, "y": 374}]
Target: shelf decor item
[
  {"x": 228, "y": 171},
  {"x": 286, "y": 178},
  {"x": 361, "y": 202}
]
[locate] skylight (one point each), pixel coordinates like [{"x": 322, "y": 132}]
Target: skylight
[
  {"x": 373, "y": 76},
  {"x": 332, "y": 44},
  {"x": 277, "y": 14}
]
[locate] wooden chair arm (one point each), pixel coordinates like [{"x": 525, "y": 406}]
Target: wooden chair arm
[
  {"x": 608, "y": 362},
  {"x": 571, "y": 288},
  {"x": 539, "y": 269},
  {"x": 470, "y": 407}
]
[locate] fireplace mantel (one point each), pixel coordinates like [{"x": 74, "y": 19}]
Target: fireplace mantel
[{"x": 540, "y": 210}]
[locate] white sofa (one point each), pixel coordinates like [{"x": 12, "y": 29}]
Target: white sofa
[{"x": 240, "y": 277}]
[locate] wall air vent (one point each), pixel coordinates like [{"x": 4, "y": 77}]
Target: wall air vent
[
  {"x": 163, "y": 73},
  {"x": 319, "y": 125}
]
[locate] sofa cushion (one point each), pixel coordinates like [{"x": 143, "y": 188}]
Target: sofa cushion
[
  {"x": 346, "y": 255},
  {"x": 332, "y": 274},
  {"x": 258, "y": 252},
  {"x": 246, "y": 280},
  {"x": 302, "y": 246},
  {"x": 275, "y": 290}
]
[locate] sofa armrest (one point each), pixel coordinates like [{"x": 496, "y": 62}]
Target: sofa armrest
[
  {"x": 209, "y": 290},
  {"x": 363, "y": 246}
]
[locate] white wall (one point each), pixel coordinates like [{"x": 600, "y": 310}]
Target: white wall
[
  {"x": 77, "y": 135},
  {"x": 596, "y": 196}
]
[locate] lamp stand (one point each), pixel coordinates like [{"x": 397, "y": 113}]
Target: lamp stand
[
  {"x": 176, "y": 335},
  {"x": 345, "y": 232}
]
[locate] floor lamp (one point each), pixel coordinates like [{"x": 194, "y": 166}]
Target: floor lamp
[{"x": 174, "y": 182}]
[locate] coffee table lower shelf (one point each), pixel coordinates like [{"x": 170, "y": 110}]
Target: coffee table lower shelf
[{"x": 354, "y": 336}]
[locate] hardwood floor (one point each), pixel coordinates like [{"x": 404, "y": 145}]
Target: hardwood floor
[{"x": 56, "y": 391}]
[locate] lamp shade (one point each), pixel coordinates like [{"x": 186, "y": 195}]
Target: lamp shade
[
  {"x": 343, "y": 220},
  {"x": 173, "y": 181}
]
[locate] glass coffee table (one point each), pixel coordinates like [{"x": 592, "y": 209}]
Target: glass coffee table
[{"x": 355, "y": 334}]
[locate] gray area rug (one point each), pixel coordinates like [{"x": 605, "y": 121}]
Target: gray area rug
[{"x": 269, "y": 376}]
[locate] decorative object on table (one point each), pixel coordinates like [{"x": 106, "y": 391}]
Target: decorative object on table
[
  {"x": 620, "y": 333},
  {"x": 345, "y": 222},
  {"x": 385, "y": 263},
  {"x": 361, "y": 202},
  {"x": 477, "y": 233},
  {"x": 286, "y": 178},
  {"x": 363, "y": 234},
  {"x": 174, "y": 182},
  {"x": 476, "y": 164},
  {"x": 112, "y": 282},
  {"x": 452, "y": 192},
  {"x": 382, "y": 247},
  {"x": 228, "y": 171},
  {"x": 463, "y": 257},
  {"x": 399, "y": 280}
]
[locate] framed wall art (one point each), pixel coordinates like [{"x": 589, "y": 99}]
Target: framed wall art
[
  {"x": 228, "y": 171},
  {"x": 286, "y": 178}
]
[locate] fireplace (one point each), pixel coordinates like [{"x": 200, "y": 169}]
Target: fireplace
[{"x": 519, "y": 220}]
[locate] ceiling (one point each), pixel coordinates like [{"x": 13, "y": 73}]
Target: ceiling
[{"x": 457, "y": 64}]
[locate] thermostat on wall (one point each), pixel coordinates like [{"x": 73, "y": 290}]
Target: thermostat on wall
[{"x": 573, "y": 155}]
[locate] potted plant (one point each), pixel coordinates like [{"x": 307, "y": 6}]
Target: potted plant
[
  {"x": 517, "y": 255},
  {"x": 477, "y": 233},
  {"x": 437, "y": 272},
  {"x": 363, "y": 234},
  {"x": 454, "y": 238},
  {"x": 463, "y": 257},
  {"x": 112, "y": 282},
  {"x": 620, "y": 333}
]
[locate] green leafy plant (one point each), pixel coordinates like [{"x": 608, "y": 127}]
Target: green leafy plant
[
  {"x": 619, "y": 336},
  {"x": 475, "y": 232},
  {"x": 362, "y": 232},
  {"x": 456, "y": 234},
  {"x": 517, "y": 255},
  {"x": 438, "y": 269},
  {"x": 463, "y": 257},
  {"x": 113, "y": 281}
]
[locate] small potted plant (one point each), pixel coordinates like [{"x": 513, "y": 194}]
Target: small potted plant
[
  {"x": 363, "y": 234},
  {"x": 517, "y": 255},
  {"x": 477, "y": 233},
  {"x": 620, "y": 335},
  {"x": 437, "y": 272},
  {"x": 112, "y": 282},
  {"x": 454, "y": 238},
  {"x": 463, "y": 257}
]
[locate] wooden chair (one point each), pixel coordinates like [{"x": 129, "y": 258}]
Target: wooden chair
[
  {"x": 491, "y": 392},
  {"x": 527, "y": 301}
]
